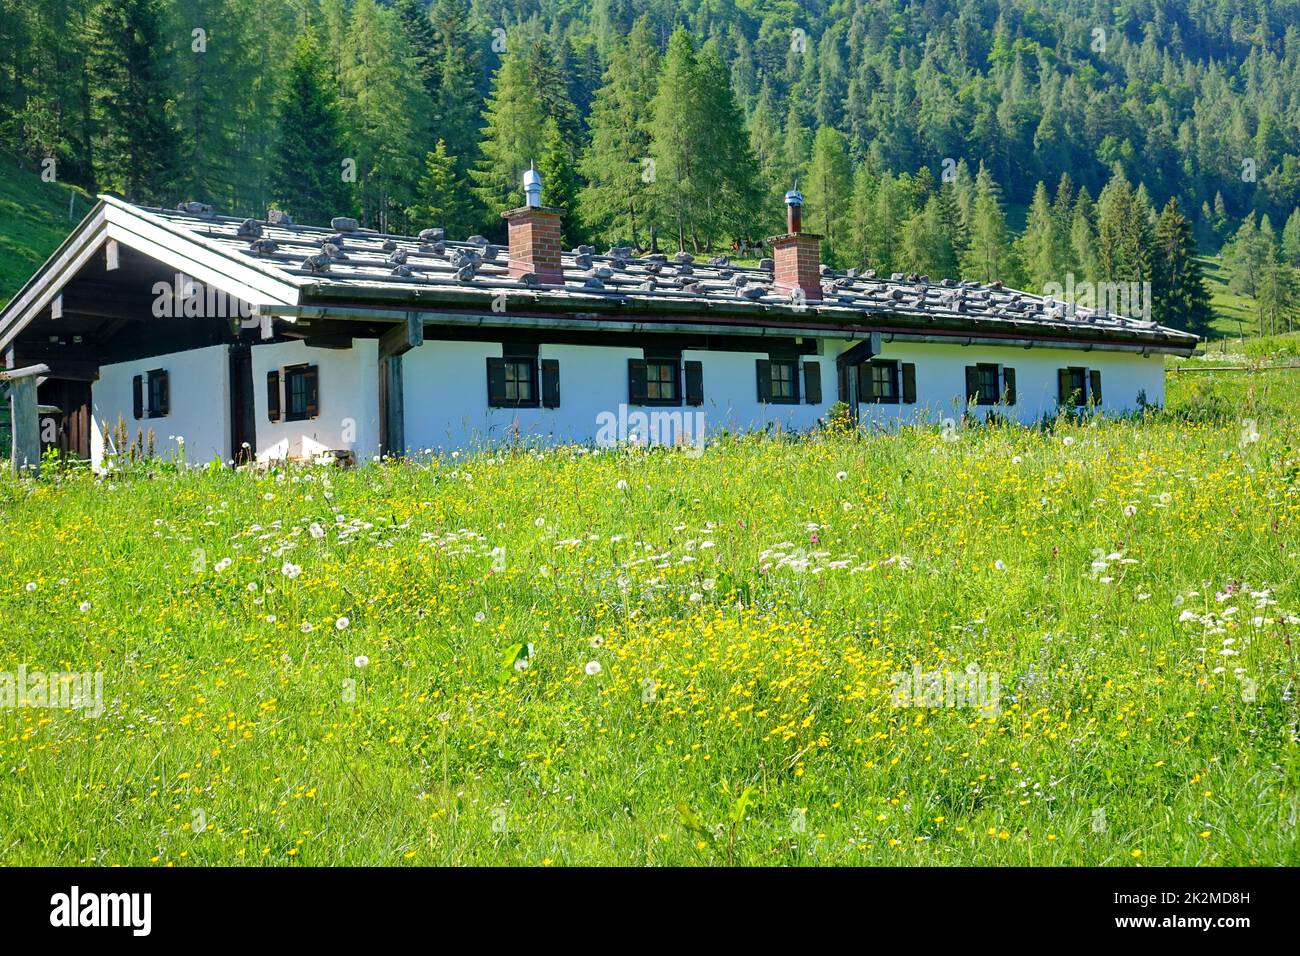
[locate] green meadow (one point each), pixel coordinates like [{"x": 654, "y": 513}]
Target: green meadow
[{"x": 1062, "y": 646}]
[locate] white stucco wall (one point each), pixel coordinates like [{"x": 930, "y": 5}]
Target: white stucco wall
[
  {"x": 349, "y": 401},
  {"x": 941, "y": 380},
  {"x": 445, "y": 395},
  {"x": 731, "y": 392},
  {"x": 199, "y": 382}
]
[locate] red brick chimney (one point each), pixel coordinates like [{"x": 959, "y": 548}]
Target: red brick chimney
[
  {"x": 797, "y": 255},
  {"x": 535, "y": 236}
]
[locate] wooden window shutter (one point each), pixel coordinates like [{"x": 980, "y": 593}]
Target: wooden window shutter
[
  {"x": 311, "y": 382},
  {"x": 694, "y": 383},
  {"x": 812, "y": 382},
  {"x": 909, "y": 382},
  {"x": 636, "y": 388},
  {"x": 137, "y": 398},
  {"x": 1094, "y": 382},
  {"x": 273, "y": 396},
  {"x": 972, "y": 383},
  {"x": 1009, "y": 385},
  {"x": 1063, "y": 386},
  {"x": 764, "y": 372},
  {"x": 550, "y": 383},
  {"x": 496, "y": 381}
]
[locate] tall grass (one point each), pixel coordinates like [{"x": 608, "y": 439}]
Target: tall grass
[{"x": 568, "y": 657}]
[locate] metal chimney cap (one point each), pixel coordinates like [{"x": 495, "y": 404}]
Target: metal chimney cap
[
  {"x": 532, "y": 187},
  {"x": 794, "y": 198}
]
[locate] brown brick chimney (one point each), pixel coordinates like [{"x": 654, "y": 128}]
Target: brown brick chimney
[
  {"x": 797, "y": 255},
  {"x": 535, "y": 236}
]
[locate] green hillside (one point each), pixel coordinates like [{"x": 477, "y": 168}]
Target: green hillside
[{"x": 34, "y": 219}]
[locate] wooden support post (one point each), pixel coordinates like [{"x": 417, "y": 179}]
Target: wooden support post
[
  {"x": 393, "y": 344},
  {"x": 847, "y": 367},
  {"x": 390, "y": 391},
  {"x": 24, "y": 419}
]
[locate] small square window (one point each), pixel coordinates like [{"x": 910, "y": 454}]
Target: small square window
[
  {"x": 878, "y": 383},
  {"x": 784, "y": 387},
  {"x": 1074, "y": 387},
  {"x": 159, "y": 394},
  {"x": 513, "y": 382},
  {"x": 300, "y": 393},
  {"x": 985, "y": 382},
  {"x": 520, "y": 384},
  {"x": 661, "y": 381},
  {"x": 1079, "y": 385}
]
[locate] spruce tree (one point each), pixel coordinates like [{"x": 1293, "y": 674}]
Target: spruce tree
[
  {"x": 512, "y": 139},
  {"x": 1062, "y": 219},
  {"x": 134, "y": 142},
  {"x": 387, "y": 110},
  {"x": 443, "y": 198},
  {"x": 1178, "y": 289},
  {"x": 560, "y": 180},
  {"x": 988, "y": 257},
  {"x": 455, "y": 118},
  {"x": 421, "y": 40},
  {"x": 307, "y": 175}
]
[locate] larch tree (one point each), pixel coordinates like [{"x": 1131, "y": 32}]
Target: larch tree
[
  {"x": 730, "y": 186},
  {"x": 926, "y": 246},
  {"x": 1123, "y": 233},
  {"x": 1291, "y": 239},
  {"x": 1038, "y": 245},
  {"x": 616, "y": 200},
  {"x": 679, "y": 132},
  {"x": 828, "y": 190},
  {"x": 1083, "y": 237}
]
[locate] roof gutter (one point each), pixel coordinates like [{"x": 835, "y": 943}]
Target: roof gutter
[
  {"x": 826, "y": 319},
  {"x": 590, "y": 322}
]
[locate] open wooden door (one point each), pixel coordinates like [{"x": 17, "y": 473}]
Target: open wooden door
[{"x": 243, "y": 419}]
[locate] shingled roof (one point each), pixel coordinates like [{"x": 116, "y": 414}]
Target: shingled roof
[
  {"x": 345, "y": 264},
  {"x": 359, "y": 262}
]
